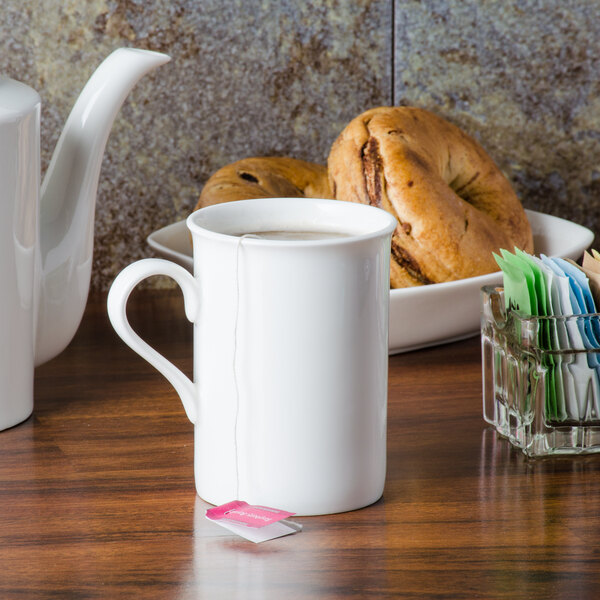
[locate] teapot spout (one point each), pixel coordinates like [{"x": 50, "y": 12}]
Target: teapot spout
[{"x": 68, "y": 197}]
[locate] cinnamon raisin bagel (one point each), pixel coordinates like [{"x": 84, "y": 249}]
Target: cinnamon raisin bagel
[
  {"x": 268, "y": 177},
  {"x": 454, "y": 206}
]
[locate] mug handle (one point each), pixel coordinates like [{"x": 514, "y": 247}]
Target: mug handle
[{"x": 118, "y": 295}]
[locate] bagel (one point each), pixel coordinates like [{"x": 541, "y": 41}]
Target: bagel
[
  {"x": 265, "y": 177},
  {"x": 454, "y": 206}
]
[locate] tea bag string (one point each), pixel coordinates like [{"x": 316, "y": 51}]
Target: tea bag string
[{"x": 236, "y": 321}]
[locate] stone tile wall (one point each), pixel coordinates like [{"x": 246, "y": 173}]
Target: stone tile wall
[
  {"x": 267, "y": 77},
  {"x": 524, "y": 79}
]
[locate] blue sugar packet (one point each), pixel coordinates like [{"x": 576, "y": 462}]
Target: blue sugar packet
[
  {"x": 579, "y": 284},
  {"x": 583, "y": 292},
  {"x": 578, "y": 374},
  {"x": 584, "y": 368},
  {"x": 582, "y": 301}
]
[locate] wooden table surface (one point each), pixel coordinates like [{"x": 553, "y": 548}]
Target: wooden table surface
[{"x": 98, "y": 501}]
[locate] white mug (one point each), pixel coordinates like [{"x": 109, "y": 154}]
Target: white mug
[{"x": 289, "y": 398}]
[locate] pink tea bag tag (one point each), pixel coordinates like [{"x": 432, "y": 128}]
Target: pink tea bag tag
[{"x": 254, "y": 523}]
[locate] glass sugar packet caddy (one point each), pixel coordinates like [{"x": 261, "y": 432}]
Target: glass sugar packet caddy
[{"x": 541, "y": 378}]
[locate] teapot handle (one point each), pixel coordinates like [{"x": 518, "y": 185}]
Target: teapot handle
[{"x": 118, "y": 295}]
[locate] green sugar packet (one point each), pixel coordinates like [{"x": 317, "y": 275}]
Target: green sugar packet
[
  {"x": 536, "y": 276},
  {"x": 553, "y": 380},
  {"x": 541, "y": 294},
  {"x": 549, "y": 334},
  {"x": 519, "y": 290},
  {"x": 526, "y": 291}
]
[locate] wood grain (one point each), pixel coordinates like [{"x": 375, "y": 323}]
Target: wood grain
[{"x": 97, "y": 496}]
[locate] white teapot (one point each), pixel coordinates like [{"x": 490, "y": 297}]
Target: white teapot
[{"x": 46, "y": 238}]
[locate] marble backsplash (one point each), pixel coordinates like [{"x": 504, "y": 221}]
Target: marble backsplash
[{"x": 260, "y": 77}]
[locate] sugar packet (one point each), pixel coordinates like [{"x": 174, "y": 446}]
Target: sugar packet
[
  {"x": 526, "y": 280},
  {"x": 553, "y": 287}
]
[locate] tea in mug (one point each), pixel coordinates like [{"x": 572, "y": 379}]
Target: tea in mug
[{"x": 293, "y": 236}]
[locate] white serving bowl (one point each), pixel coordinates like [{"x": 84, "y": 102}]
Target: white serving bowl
[{"x": 431, "y": 314}]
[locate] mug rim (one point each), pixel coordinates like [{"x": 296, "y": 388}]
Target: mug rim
[{"x": 375, "y": 221}]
